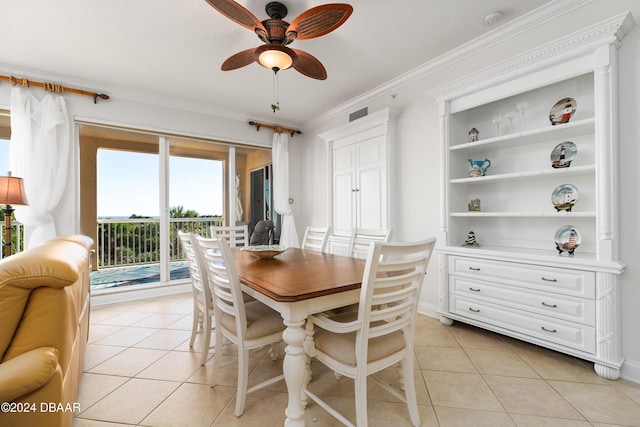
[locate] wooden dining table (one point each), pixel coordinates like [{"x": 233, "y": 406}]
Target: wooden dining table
[{"x": 297, "y": 283}]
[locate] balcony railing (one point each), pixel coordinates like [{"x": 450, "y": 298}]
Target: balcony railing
[{"x": 126, "y": 242}]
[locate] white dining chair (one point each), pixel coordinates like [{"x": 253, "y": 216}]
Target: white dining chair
[
  {"x": 316, "y": 238},
  {"x": 359, "y": 242},
  {"x": 202, "y": 300},
  {"x": 236, "y": 235},
  {"x": 381, "y": 334},
  {"x": 249, "y": 325},
  {"x": 361, "y": 238}
]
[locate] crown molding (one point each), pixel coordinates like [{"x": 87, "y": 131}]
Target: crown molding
[
  {"x": 527, "y": 22},
  {"x": 609, "y": 31}
]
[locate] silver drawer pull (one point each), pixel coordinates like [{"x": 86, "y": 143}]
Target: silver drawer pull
[
  {"x": 474, "y": 269},
  {"x": 549, "y": 280},
  {"x": 548, "y": 330},
  {"x": 474, "y": 289},
  {"x": 549, "y": 305},
  {"x": 475, "y": 310}
]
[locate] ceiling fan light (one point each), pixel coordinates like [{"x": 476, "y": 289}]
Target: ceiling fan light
[{"x": 275, "y": 59}]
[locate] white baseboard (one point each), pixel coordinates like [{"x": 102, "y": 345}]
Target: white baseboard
[
  {"x": 137, "y": 292},
  {"x": 430, "y": 310},
  {"x": 631, "y": 371}
]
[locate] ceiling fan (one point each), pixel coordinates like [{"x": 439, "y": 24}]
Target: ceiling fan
[{"x": 277, "y": 34}]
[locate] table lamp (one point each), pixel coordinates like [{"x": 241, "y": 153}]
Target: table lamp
[{"x": 11, "y": 193}]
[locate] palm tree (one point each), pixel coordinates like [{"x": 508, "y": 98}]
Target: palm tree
[{"x": 178, "y": 212}]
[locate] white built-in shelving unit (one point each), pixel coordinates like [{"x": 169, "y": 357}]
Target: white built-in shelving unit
[{"x": 514, "y": 281}]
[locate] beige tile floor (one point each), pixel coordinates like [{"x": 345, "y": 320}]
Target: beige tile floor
[{"x": 139, "y": 370}]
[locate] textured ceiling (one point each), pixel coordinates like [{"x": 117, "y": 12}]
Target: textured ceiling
[{"x": 170, "y": 52}]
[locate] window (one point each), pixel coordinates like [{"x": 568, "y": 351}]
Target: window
[
  {"x": 127, "y": 184},
  {"x": 138, "y": 189}
]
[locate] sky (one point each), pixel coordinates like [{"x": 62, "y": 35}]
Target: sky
[{"x": 128, "y": 183}]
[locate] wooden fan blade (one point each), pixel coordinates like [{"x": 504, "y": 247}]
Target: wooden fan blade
[
  {"x": 239, "y": 60},
  {"x": 237, "y": 13},
  {"x": 319, "y": 21},
  {"x": 308, "y": 65}
]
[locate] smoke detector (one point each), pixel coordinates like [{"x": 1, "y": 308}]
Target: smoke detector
[{"x": 492, "y": 18}]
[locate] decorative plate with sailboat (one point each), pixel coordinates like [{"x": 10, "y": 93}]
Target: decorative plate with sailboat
[
  {"x": 563, "y": 154},
  {"x": 567, "y": 238},
  {"x": 564, "y": 197}
]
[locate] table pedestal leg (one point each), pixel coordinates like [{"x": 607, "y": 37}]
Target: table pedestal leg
[
  {"x": 294, "y": 368},
  {"x": 309, "y": 351}
]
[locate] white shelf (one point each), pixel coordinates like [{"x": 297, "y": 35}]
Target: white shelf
[
  {"x": 533, "y": 136},
  {"x": 524, "y": 214},
  {"x": 571, "y": 171},
  {"x": 580, "y": 260},
  {"x": 514, "y": 252}
]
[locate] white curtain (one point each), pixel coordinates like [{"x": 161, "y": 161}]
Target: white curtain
[
  {"x": 239, "y": 210},
  {"x": 39, "y": 153},
  {"x": 280, "y": 153}
]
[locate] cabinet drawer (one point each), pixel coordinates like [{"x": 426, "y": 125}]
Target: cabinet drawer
[
  {"x": 569, "y": 282},
  {"x": 564, "y": 333},
  {"x": 545, "y": 303}
]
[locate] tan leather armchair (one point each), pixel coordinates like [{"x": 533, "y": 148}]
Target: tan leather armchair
[{"x": 44, "y": 326}]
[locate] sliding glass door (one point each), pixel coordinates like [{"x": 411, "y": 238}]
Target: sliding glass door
[{"x": 137, "y": 189}]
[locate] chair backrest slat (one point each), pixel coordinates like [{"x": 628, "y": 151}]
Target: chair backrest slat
[
  {"x": 361, "y": 238},
  {"x": 316, "y": 238},
  {"x": 237, "y": 235},
  {"x": 393, "y": 277},
  {"x": 199, "y": 277},
  {"x": 223, "y": 280}
]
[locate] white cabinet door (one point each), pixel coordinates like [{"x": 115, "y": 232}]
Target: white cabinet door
[
  {"x": 371, "y": 191},
  {"x": 360, "y": 155},
  {"x": 344, "y": 184},
  {"x": 359, "y": 186}
]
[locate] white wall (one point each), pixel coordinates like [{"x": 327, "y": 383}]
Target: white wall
[
  {"x": 629, "y": 128},
  {"x": 418, "y": 154}
]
